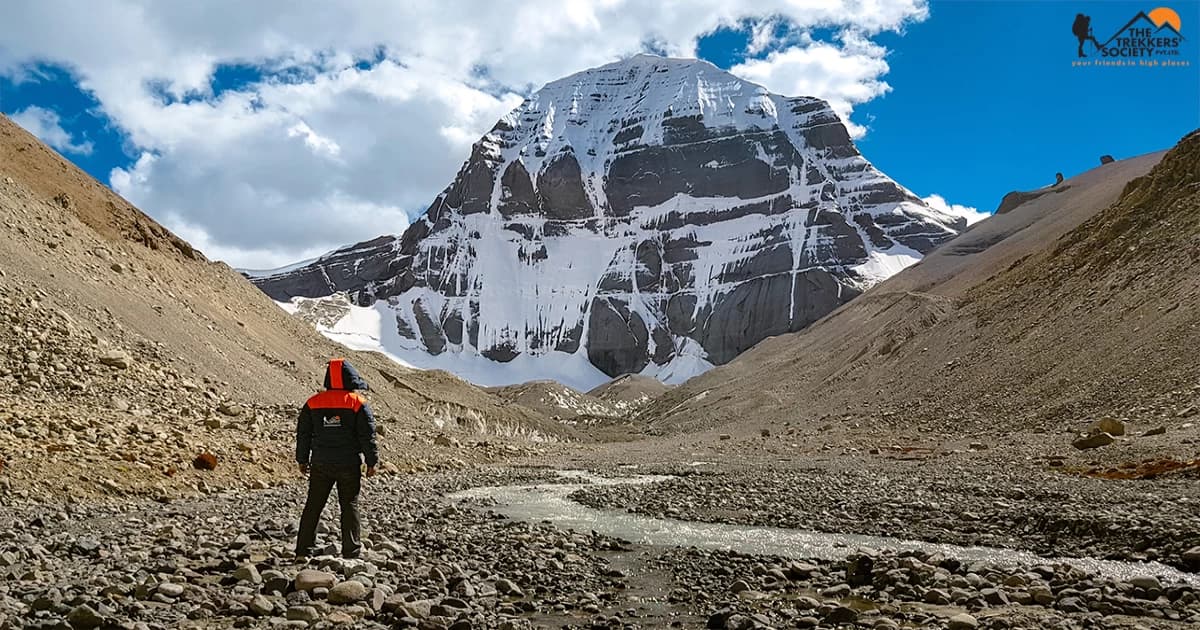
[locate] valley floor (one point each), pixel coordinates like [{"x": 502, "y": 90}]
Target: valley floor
[{"x": 224, "y": 560}]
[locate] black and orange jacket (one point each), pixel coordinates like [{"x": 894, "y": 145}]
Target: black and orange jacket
[{"x": 336, "y": 426}]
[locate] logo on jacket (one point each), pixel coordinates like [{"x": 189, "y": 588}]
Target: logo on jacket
[{"x": 332, "y": 421}]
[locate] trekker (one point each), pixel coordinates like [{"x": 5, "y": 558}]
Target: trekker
[
  {"x": 334, "y": 429},
  {"x": 1082, "y": 29}
]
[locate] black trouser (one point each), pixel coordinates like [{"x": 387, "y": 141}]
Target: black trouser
[{"x": 321, "y": 479}]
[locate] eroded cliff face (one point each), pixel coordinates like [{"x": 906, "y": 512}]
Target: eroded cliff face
[{"x": 655, "y": 215}]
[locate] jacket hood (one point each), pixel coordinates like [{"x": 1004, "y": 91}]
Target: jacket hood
[{"x": 339, "y": 374}]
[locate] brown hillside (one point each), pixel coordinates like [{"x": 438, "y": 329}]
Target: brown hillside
[
  {"x": 84, "y": 274},
  {"x": 1067, "y": 308}
]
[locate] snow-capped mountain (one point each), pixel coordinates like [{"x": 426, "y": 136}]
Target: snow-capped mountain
[{"x": 652, "y": 216}]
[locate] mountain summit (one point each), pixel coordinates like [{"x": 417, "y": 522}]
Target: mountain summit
[{"x": 652, "y": 216}]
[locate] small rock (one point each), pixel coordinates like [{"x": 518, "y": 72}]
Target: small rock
[
  {"x": 205, "y": 461},
  {"x": 507, "y": 587},
  {"x": 1095, "y": 440},
  {"x": 303, "y": 613},
  {"x": 348, "y": 592},
  {"x": 963, "y": 622},
  {"x": 840, "y": 615},
  {"x": 117, "y": 267},
  {"x": 1111, "y": 426},
  {"x": 738, "y": 587},
  {"x": 116, "y": 358},
  {"x": 1147, "y": 582},
  {"x": 1154, "y": 431},
  {"x": 339, "y": 618},
  {"x": 445, "y": 440},
  {"x": 262, "y": 606},
  {"x": 230, "y": 409},
  {"x": 170, "y": 589},
  {"x": 248, "y": 573},
  {"x": 726, "y": 436},
  {"x": 310, "y": 579},
  {"x": 84, "y": 616},
  {"x": 1106, "y": 159}
]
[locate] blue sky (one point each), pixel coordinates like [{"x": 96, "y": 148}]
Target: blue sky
[{"x": 983, "y": 99}]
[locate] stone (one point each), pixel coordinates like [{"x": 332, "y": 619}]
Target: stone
[
  {"x": 445, "y": 440},
  {"x": 310, "y": 579},
  {"x": 962, "y": 622},
  {"x": 1192, "y": 556},
  {"x": 170, "y": 589},
  {"x": 1154, "y": 431},
  {"x": 339, "y": 618},
  {"x": 261, "y": 606},
  {"x": 303, "y": 613},
  {"x": 348, "y": 592},
  {"x": 230, "y": 409},
  {"x": 1146, "y": 582},
  {"x": 726, "y": 436},
  {"x": 937, "y": 597},
  {"x": 116, "y": 358},
  {"x": 836, "y": 592},
  {"x": 84, "y": 616},
  {"x": 840, "y": 615},
  {"x": 507, "y": 587},
  {"x": 117, "y": 267},
  {"x": 248, "y": 573},
  {"x": 1111, "y": 426},
  {"x": 739, "y": 587},
  {"x": 1106, "y": 159},
  {"x": 205, "y": 461},
  {"x": 1058, "y": 178},
  {"x": 994, "y": 597},
  {"x": 1094, "y": 440}
]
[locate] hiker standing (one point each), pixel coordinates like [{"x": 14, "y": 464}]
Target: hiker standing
[
  {"x": 1082, "y": 28},
  {"x": 335, "y": 433}
]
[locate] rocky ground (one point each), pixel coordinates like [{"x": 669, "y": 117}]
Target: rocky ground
[
  {"x": 224, "y": 560},
  {"x": 971, "y": 501}
]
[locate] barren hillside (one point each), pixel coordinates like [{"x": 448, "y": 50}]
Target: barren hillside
[
  {"x": 1077, "y": 304},
  {"x": 127, "y": 354}
]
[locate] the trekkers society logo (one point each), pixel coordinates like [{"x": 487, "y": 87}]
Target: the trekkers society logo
[{"x": 1149, "y": 39}]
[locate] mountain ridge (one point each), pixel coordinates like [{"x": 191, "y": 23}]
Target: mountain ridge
[{"x": 652, "y": 215}]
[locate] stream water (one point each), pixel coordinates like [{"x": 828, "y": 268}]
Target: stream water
[{"x": 549, "y": 503}]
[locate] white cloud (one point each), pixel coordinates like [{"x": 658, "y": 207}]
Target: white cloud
[
  {"x": 844, "y": 74},
  {"x": 46, "y": 125},
  {"x": 972, "y": 215},
  {"x": 337, "y": 153}
]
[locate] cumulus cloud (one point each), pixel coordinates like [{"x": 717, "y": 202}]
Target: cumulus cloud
[
  {"x": 972, "y": 215},
  {"x": 364, "y": 111},
  {"x": 844, "y": 73},
  {"x": 45, "y": 124}
]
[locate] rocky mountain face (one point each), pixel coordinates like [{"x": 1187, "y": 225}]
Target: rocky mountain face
[{"x": 654, "y": 215}]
